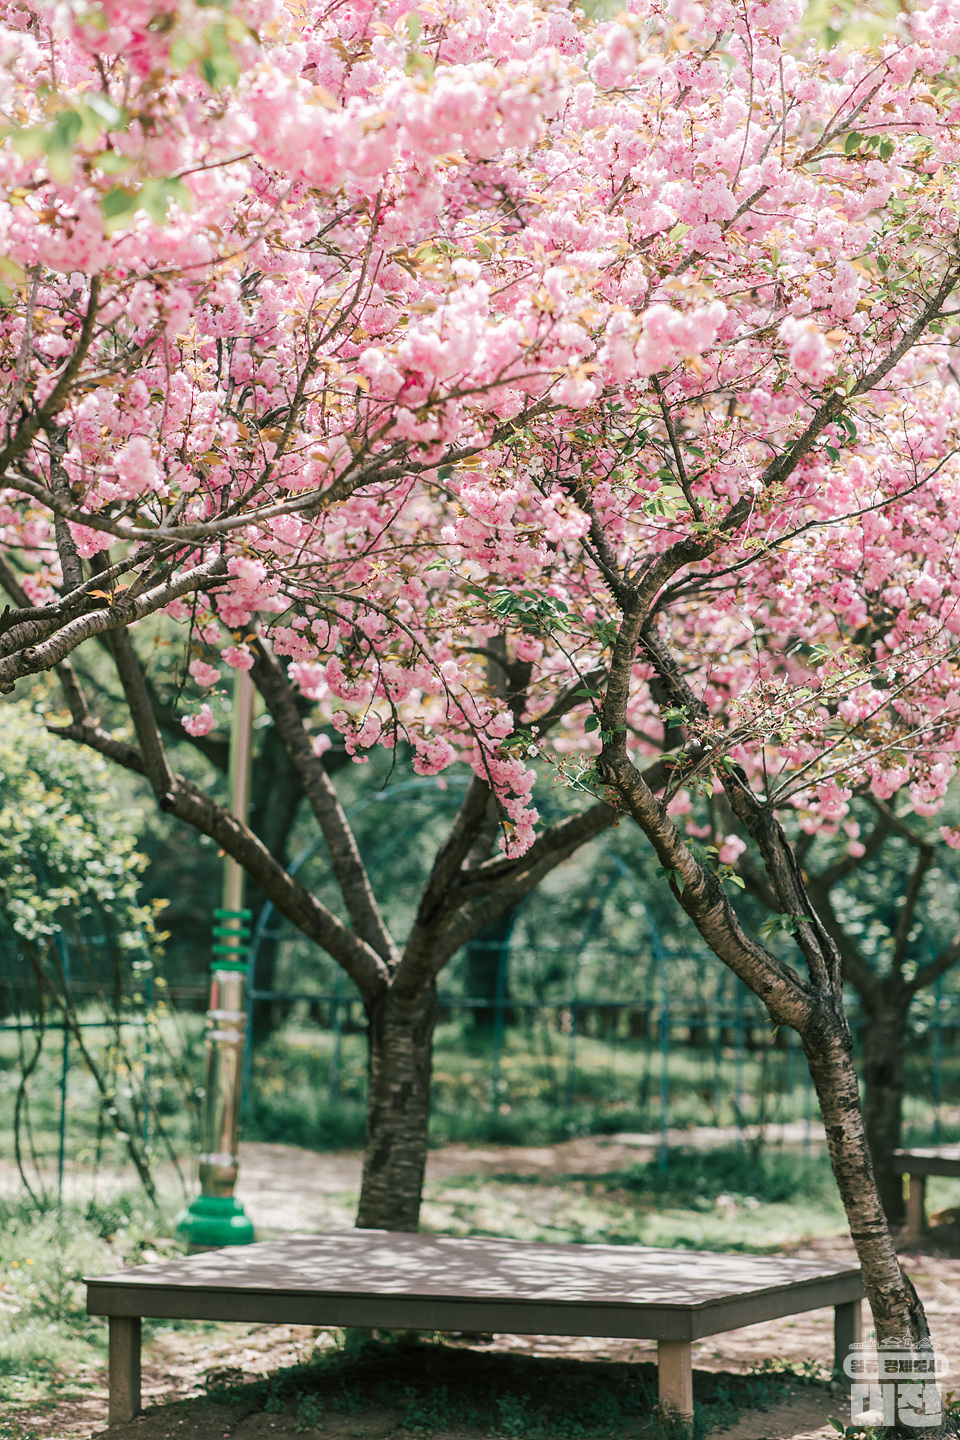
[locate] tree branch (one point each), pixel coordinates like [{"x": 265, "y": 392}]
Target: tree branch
[
  {"x": 902, "y": 937},
  {"x": 70, "y": 567},
  {"x": 454, "y": 850},
  {"x": 700, "y": 894},
  {"x": 853, "y": 967},
  {"x": 936, "y": 967},
  {"x": 305, "y": 911},
  {"x": 156, "y": 767},
  {"x": 34, "y": 659},
  {"x": 31, "y": 426},
  {"x": 849, "y": 863},
  {"x": 348, "y": 867}
]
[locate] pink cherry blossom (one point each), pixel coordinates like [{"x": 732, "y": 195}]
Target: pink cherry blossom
[
  {"x": 204, "y": 674},
  {"x": 200, "y": 723}
]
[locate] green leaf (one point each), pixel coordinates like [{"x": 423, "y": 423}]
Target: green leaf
[
  {"x": 219, "y": 67},
  {"x": 887, "y": 148},
  {"x": 832, "y": 451},
  {"x": 157, "y": 195},
  {"x": 59, "y": 144},
  {"x": 778, "y": 924},
  {"x": 586, "y": 694},
  {"x": 30, "y": 142},
  {"x": 414, "y": 26},
  {"x": 678, "y": 232},
  {"x": 118, "y": 203},
  {"x": 591, "y": 723},
  {"x": 111, "y": 162},
  {"x": 853, "y": 142},
  {"x": 424, "y": 63},
  {"x": 183, "y": 52},
  {"x": 103, "y": 107},
  {"x": 12, "y": 272},
  {"x": 67, "y": 127},
  {"x": 236, "y": 30}
]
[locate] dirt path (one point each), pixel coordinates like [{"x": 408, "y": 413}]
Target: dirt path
[{"x": 286, "y": 1190}]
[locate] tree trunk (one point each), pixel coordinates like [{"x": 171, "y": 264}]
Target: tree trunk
[
  {"x": 884, "y": 1044},
  {"x": 277, "y": 792},
  {"x": 895, "y": 1309},
  {"x": 398, "y": 1111}
]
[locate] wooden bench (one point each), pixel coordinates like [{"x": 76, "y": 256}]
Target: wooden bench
[
  {"x": 917, "y": 1165},
  {"x": 436, "y": 1282}
]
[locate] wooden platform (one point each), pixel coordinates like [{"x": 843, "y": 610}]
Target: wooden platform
[
  {"x": 437, "y": 1282},
  {"x": 918, "y": 1164}
]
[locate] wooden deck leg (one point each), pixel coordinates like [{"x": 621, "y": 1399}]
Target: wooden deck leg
[
  {"x": 675, "y": 1377},
  {"x": 916, "y": 1209},
  {"x": 847, "y": 1332},
  {"x": 124, "y": 1369}
]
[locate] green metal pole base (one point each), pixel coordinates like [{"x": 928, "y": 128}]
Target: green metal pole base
[{"x": 213, "y": 1220}]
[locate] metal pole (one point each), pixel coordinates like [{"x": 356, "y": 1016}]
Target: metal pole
[
  {"x": 738, "y": 1061},
  {"x": 61, "y": 1153},
  {"x": 336, "y": 1026},
  {"x": 216, "y": 1217},
  {"x": 147, "y": 1058},
  {"x": 64, "y": 1070},
  {"x": 664, "y": 1058},
  {"x": 938, "y": 1061}
]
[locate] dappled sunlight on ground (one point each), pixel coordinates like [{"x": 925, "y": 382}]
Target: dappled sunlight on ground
[{"x": 548, "y": 1193}]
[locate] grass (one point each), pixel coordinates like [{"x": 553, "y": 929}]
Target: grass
[
  {"x": 309, "y": 1089},
  {"x": 47, "y": 1340},
  {"x": 721, "y": 1199},
  {"x": 433, "y": 1385}
]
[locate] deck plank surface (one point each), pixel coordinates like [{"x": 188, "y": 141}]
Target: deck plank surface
[
  {"x": 441, "y": 1282},
  {"x": 371, "y": 1262},
  {"x": 928, "y": 1160}
]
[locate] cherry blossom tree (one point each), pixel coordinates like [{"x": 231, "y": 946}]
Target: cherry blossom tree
[
  {"x": 239, "y": 349},
  {"x": 527, "y": 390}
]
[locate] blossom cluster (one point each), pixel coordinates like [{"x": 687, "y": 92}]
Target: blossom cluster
[{"x": 420, "y": 319}]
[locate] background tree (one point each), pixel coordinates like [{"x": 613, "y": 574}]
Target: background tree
[
  {"x": 896, "y": 937},
  {"x": 70, "y": 907}
]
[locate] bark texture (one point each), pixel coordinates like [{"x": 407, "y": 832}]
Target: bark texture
[
  {"x": 395, "y": 1152},
  {"x": 885, "y": 1040}
]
